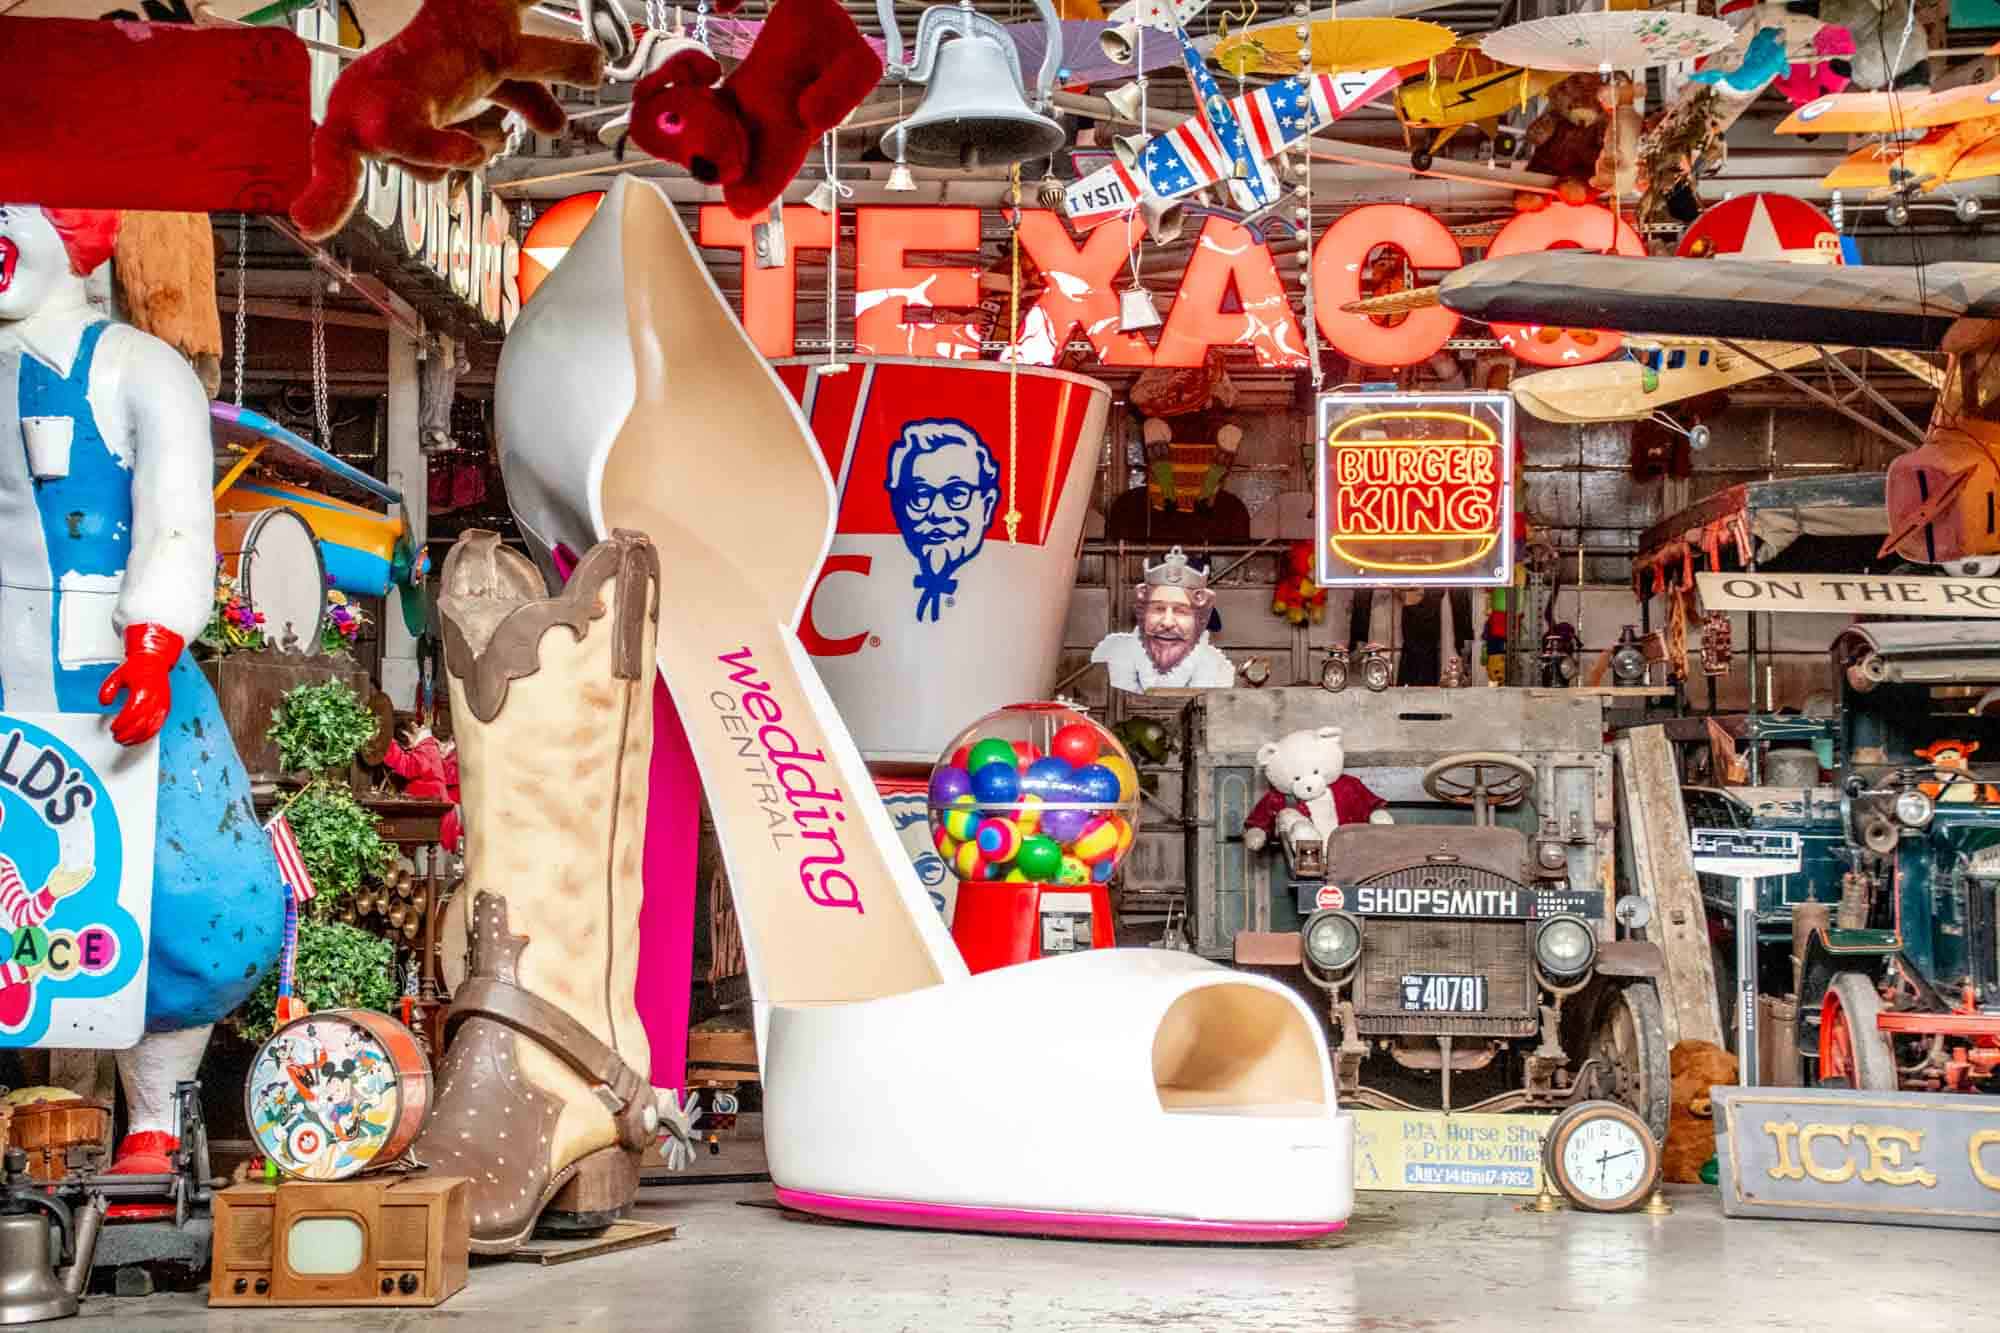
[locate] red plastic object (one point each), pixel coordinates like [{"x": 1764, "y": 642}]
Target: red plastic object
[
  {"x": 153, "y": 115},
  {"x": 999, "y": 924}
]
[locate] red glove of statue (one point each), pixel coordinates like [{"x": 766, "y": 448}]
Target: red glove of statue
[{"x": 150, "y": 652}]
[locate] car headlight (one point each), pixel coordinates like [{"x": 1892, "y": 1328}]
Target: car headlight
[
  {"x": 1332, "y": 940},
  {"x": 1914, "y": 809},
  {"x": 1564, "y": 947}
]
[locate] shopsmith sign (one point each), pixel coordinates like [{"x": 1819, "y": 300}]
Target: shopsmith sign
[{"x": 1232, "y": 293}]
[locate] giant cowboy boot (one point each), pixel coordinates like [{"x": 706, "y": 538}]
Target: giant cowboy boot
[{"x": 544, "y": 1102}]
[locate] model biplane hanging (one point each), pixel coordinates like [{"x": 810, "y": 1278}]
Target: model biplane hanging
[
  {"x": 1960, "y": 136},
  {"x": 1463, "y": 88}
]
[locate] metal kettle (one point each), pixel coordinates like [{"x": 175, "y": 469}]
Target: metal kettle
[{"x": 32, "y": 1288}]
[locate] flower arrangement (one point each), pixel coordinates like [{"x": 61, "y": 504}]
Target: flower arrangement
[
  {"x": 232, "y": 625},
  {"x": 342, "y": 625}
]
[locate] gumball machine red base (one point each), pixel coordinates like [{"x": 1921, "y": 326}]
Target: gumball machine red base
[{"x": 1033, "y": 807}]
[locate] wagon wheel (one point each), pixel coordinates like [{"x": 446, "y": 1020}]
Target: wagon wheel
[
  {"x": 1628, "y": 1039},
  {"x": 1853, "y": 1051},
  {"x": 1483, "y": 780}
]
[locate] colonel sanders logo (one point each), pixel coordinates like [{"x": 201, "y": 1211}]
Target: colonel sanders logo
[{"x": 943, "y": 485}]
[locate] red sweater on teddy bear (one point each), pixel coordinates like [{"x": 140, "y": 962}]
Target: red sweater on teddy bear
[{"x": 1352, "y": 804}]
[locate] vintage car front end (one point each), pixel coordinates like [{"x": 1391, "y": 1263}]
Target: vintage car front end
[{"x": 1470, "y": 954}]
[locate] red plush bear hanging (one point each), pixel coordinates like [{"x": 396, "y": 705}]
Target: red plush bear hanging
[
  {"x": 750, "y": 132},
  {"x": 416, "y": 101}
]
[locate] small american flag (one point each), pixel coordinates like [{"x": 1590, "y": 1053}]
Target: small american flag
[{"x": 290, "y": 864}]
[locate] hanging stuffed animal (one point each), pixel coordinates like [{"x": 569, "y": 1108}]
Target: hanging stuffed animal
[
  {"x": 420, "y": 100},
  {"x": 1877, "y": 30},
  {"x": 1617, "y": 170},
  {"x": 1297, "y": 598},
  {"x": 1811, "y": 79},
  {"x": 1567, "y": 139},
  {"x": 749, "y": 133}
]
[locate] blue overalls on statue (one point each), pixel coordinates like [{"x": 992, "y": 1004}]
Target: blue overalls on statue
[{"x": 218, "y": 907}]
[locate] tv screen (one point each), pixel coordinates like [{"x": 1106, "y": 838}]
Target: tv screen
[{"x": 323, "y": 1246}]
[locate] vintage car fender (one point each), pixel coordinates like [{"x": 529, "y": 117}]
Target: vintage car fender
[{"x": 1631, "y": 958}]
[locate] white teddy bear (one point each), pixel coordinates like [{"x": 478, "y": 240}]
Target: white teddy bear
[{"x": 1310, "y": 795}]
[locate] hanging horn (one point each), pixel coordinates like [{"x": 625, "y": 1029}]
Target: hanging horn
[
  {"x": 1119, "y": 43},
  {"x": 1125, "y": 101},
  {"x": 1164, "y": 219},
  {"x": 1128, "y": 148}
]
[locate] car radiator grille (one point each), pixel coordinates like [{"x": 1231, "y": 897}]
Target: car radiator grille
[
  {"x": 1497, "y": 950},
  {"x": 1445, "y": 876}
]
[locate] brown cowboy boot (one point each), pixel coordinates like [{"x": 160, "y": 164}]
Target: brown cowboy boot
[{"x": 544, "y": 1100}]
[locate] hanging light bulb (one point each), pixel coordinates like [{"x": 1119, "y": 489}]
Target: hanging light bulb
[{"x": 1136, "y": 310}]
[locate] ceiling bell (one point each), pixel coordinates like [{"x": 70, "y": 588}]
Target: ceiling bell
[
  {"x": 973, "y": 113},
  {"x": 1120, "y": 42},
  {"x": 1136, "y": 310},
  {"x": 1124, "y": 100}
]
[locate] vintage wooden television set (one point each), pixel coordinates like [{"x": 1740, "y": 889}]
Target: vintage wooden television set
[{"x": 377, "y": 1240}]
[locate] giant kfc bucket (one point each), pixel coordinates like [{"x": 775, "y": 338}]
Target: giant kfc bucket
[{"x": 928, "y": 612}]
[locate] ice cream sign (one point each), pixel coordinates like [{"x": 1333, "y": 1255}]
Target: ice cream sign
[{"x": 1415, "y": 489}]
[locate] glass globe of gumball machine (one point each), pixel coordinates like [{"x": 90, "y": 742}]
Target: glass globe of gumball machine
[{"x": 1033, "y": 807}]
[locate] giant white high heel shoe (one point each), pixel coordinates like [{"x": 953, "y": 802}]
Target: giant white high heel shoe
[{"x": 1196, "y": 1102}]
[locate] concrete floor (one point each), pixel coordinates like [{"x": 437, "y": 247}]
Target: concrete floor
[{"x": 1406, "y": 1263}]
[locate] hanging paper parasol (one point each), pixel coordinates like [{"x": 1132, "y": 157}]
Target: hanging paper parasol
[
  {"x": 1599, "y": 41},
  {"x": 1337, "y": 44}
]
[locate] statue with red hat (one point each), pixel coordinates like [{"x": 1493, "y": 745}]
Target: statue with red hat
[{"x": 107, "y": 570}]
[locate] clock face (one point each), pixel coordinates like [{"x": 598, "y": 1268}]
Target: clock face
[{"x": 1602, "y": 1156}]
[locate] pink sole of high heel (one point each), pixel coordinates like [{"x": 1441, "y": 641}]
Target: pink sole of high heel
[{"x": 1028, "y": 1222}]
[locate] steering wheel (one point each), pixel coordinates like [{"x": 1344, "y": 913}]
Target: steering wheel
[{"x": 1463, "y": 779}]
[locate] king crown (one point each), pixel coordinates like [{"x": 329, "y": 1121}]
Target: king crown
[{"x": 1175, "y": 572}]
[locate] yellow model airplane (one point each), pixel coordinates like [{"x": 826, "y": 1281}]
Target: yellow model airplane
[
  {"x": 1463, "y": 87},
  {"x": 1664, "y": 371},
  {"x": 1961, "y": 136}
]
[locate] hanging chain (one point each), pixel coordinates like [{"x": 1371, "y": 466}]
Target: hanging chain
[
  {"x": 1013, "y": 514},
  {"x": 701, "y": 23},
  {"x": 830, "y": 155},
  {"x": 242, "y": 299},
  {"x": 321, "y": 413}
]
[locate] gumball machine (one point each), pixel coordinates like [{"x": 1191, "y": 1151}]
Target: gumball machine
[{"x": 1033, "y": 807}]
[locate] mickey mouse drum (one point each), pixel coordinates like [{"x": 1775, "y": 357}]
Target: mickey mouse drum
[{"x": 337, "y": 1092}]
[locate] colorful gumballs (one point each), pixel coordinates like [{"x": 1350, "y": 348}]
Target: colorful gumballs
[
  {"x": 961, "y": 820},
  {"x": 1128, "y": 777},
  {"x": 1047, "y": 778},
  {"x": 1063, "y": 825},
  {"x": 1039, "y": 858},
  {"x": 1098, "y": 841},
  {"x": 1077, "y": 744},
  {"x": 962, "y": 758},
  {"x": 1104, "y": 870},
  {"x": 969, "y": 863},
  {"x": 1025, "y": 753},
  {"x": 1097, "y": 784},
  {"x": 1014, "y": 876},
  {"x": 947, "y": 846},
  {"x": 1028, "y": 818},
  {"x": 1072, "y": 871},
  {"x": 990, "y": 751},
  {"x": 949, "y": 783},
  {"x": 994, "y": 870},
  {"x": 1125, "y": 834},
  {"x": 996, "y": 784},
  {"x": 999, "y": 839}
]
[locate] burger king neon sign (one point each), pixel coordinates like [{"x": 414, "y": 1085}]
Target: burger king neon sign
[{"x": 1415, "y": 489}]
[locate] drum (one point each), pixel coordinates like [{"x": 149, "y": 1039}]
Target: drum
[
  {"x": 336, "y": 1092},
  {"x": 275, "y": 560}
]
